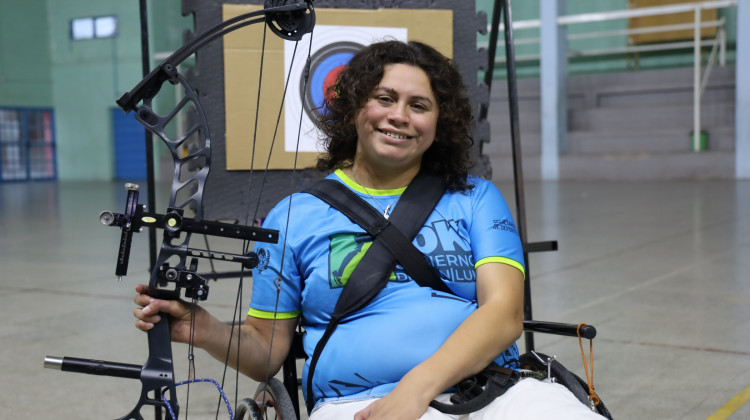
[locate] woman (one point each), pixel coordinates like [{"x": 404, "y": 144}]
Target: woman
[{"x": 397, "y": 109}]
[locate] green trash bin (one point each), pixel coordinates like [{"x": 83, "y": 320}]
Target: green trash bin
[{"x": 701, "y": 144}]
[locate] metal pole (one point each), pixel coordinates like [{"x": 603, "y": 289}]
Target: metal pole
[
  {"x": 722, "y": 46},
  {"x": 492, "y": 51},
  {"x": 515, "y": 136},
  {"x": 151, "y": 196},
  {"x": 697, "y": 81},
  {"x": 148, "y": 138},
  {"x": 742, "y": 93}
]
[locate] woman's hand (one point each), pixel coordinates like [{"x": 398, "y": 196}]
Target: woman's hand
[
  {"x": 397, "y": 405},
  {"x": 391, "y": 409},
  {"x": 180, "y": 314}
]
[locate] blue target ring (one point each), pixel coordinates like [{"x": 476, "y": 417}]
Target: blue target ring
[{"x": 317, "y": 84}]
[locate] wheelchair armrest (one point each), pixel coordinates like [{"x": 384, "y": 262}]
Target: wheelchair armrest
[{"x": 558, "y": 328}]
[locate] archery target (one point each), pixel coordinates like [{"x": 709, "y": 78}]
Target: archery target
[
  {"x": 332, "y": 48},
  {"x": 325, "y": 67}
]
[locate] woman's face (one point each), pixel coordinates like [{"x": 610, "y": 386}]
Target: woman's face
[{"x": 398, "y": 122}]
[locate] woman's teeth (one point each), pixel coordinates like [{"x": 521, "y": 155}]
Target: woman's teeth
[{"x": 395, "y": 136}]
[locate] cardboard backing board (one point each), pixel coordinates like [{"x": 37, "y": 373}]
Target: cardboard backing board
[{"x": 279, "y": 133}]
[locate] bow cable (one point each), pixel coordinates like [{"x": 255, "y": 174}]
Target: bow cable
[{"x": 289, "y": 205}]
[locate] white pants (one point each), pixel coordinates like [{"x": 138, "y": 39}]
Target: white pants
[{"x": 529, "y": 399}]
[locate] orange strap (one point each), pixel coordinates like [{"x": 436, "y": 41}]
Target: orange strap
[{"x": 589, "y": 379}]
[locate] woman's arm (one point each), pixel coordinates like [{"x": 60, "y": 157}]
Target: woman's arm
[
  {"x": 258, "y": 338},
  {"x": 492, "y": 328}
]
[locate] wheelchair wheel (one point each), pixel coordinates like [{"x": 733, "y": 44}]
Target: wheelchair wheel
[
  {"x": 273, "y": 401},
  {"x": 564, "y": 377},
  {"x": 247, "y": 409}
]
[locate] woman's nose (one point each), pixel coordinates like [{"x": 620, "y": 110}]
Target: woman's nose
[{"x": 398, "y": 114}]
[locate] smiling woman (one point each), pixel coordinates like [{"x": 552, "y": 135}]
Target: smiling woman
[
  {"x": 434, "y": 93},
  {"x": 397, "y": 123}
]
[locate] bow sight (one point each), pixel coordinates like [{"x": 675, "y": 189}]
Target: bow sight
[
  {"x": 173, "y": 223},
  {"x": 191, "y": 155}
]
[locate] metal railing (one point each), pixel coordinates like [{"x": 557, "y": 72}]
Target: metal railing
[{"x": 718, "y": 44}]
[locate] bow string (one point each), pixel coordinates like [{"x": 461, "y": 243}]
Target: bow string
[{"x": 175, "y": 271}]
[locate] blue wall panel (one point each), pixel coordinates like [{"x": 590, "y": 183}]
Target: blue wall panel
[{"x": 130, "y": 146}]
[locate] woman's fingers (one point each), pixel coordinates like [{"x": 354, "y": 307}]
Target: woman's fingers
[
  {"x": 150, "y": 306},
  {"x": 146, "y": 312},
  {"x": 143, "y": 325},
  {"x": 150, "y": 311}
]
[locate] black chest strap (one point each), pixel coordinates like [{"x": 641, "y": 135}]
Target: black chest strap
[{"x": 392, "y": 243}]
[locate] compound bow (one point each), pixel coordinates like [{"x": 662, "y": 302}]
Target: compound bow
[{"x": 173, "y": 273}]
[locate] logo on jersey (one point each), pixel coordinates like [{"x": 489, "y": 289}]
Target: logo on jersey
[
  {"x": 347, "y": 250},
  {"x": 264, "y": 257},
  {"x": 446, "y": 245},
  {"x": 505, "y": 224}
]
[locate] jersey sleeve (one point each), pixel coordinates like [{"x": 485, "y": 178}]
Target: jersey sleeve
[
  {"x": 276, "y": 279},
  {"x": 494, "y": 236}
]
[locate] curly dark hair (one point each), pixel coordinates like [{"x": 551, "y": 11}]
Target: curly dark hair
[{"x": 449, "y": 155}]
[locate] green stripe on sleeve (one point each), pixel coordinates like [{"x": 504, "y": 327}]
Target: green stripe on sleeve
[
  {"x": 272, "y": 315},
  {"x": 502, "y": 260}
]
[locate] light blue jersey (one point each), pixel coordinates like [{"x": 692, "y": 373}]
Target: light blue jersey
[{"x": 373, "y": 348}]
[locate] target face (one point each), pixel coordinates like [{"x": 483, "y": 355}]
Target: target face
[
  {"x": 325, "y": 66},
  {"x": 332, "y": 48}
]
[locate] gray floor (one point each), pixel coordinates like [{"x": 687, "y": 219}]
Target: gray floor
[{"x": 660, "y": 268}]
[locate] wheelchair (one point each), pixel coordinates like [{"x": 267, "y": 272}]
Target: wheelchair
[{"x": 279, "y": 399}]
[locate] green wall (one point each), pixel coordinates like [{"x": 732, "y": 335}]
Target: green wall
[
  {"x": 25, "y": 70},
  {"x": 88, "y": 76}
]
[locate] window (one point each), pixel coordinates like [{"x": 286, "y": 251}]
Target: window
[
  {"x": 93, "y": 27},
  {"x": 27, "y": 144}
]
